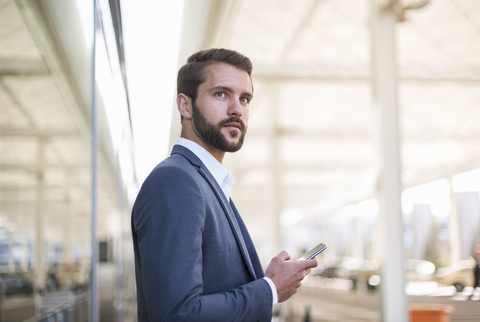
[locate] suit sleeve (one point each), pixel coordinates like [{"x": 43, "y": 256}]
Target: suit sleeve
[{"x": 168, "y": 221}]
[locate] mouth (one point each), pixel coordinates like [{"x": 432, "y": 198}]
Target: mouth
[{"x": 233, "y": 126}]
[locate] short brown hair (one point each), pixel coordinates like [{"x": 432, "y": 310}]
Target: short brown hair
[{"x": 192, "y": 74}]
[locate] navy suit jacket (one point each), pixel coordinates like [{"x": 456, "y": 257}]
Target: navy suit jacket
[{"x": 194, "y": 259}]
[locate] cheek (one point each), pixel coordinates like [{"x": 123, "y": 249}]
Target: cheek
[
  {"x": 246, "y": 115},
  {"x": 208, "y": 109}
]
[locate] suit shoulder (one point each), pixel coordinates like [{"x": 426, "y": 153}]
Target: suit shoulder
[
  {"x": 167, "y": 185},
  {"x": 174, "y": 169}
]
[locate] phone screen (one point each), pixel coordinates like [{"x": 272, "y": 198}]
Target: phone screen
[{"x": 314, "y": 252}]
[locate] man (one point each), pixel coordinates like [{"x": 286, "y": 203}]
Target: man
[
  {"x": 476, "y": 276},
  {"x": 194, "y": 258}
]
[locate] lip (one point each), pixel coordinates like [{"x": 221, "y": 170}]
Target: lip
[{"x": 235, "y": 125}]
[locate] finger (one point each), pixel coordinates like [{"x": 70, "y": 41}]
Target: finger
[
  {"x": 313, "y": 263},
  {"x": 310, "y": 263},
  {"x": 283, "y": 255}
]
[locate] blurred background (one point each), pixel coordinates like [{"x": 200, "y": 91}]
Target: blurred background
[{"x": 364, "y": 135}]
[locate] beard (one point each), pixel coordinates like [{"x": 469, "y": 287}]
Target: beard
[{"x": 212, "y": 133}]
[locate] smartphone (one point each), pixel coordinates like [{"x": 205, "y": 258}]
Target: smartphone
[{"x": 314, "y": 252}]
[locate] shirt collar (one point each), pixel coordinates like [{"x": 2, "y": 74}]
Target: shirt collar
[{"x": 224, "y": 179}]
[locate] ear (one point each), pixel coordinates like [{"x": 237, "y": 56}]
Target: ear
[{"x": 184, "y": 105}]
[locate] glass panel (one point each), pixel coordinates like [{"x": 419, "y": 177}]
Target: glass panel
[{"x": 44, "y": 176}]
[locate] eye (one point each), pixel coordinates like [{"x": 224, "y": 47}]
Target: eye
[
  {"x": 245, "y": 100},
  {"x": 220, "y": 94}
]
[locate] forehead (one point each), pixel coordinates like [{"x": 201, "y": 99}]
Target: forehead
[{"x": 222, "y": 74}]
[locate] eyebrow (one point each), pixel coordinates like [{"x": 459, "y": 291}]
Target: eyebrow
[{"x": 229, "y": 89}]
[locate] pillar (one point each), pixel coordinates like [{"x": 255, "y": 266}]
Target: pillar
[
  {"x": 39, "y": 249},
  {"x": 422, "y": 226},
  {"x": 390, "y": 223}
]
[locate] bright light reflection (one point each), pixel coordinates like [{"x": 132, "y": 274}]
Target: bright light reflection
[
  {"x": 367, "y": 208},
  {"x": 435, "y": 193},
  {"x": 152, "y": 37},
  {"x": 85, "y": 13},
  {"x": 467, "y": 181},
  {"x": 291, "y": 217}
]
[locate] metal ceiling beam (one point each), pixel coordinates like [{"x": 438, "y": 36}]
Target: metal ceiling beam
[
  {"x": 10, "y": 67},
  {"x": 9, "y": 92},
  {"x": 51, "y": 188},
  {"x": 356, "y": 132},
  {"x": 32, "y": 167},
  {"x": 302, "y": 25},
  {"x": 320, "y": 166},
  {"x": 440, "y": 173},
  {"x": 36, "y": 132},
  {"x": 354, "y": 135},
  {"x": 352, "y": 73},
  {"x": 220, "y": 23}
]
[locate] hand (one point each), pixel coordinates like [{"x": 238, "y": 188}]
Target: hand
[{"x": 288, "y": 276}]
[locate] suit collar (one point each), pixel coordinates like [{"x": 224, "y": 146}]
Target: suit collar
[
  {"x": 179, "y": 149},
  {"x": 224, "y": 179}
]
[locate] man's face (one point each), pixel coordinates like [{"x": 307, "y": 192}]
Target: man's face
[{"x": 220, "y": 113}]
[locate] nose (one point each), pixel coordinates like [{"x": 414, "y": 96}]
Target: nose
[{"x": 235, "y": 107}]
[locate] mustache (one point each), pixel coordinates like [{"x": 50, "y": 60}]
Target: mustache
[{"x": 233, "y": 119}]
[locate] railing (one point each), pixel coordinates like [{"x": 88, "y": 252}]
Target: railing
[{"x": 64, "y": 307}]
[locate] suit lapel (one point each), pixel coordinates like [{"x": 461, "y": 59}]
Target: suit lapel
[
  {"x": 249, "y": 243},
  {"x": 229, "y": 213},
  {"x": 237, "y": 232}
]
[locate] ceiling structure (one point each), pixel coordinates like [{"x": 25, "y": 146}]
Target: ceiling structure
[
  {"x": 310, "y": 144},
  {"x": 45, "y": 152}
]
